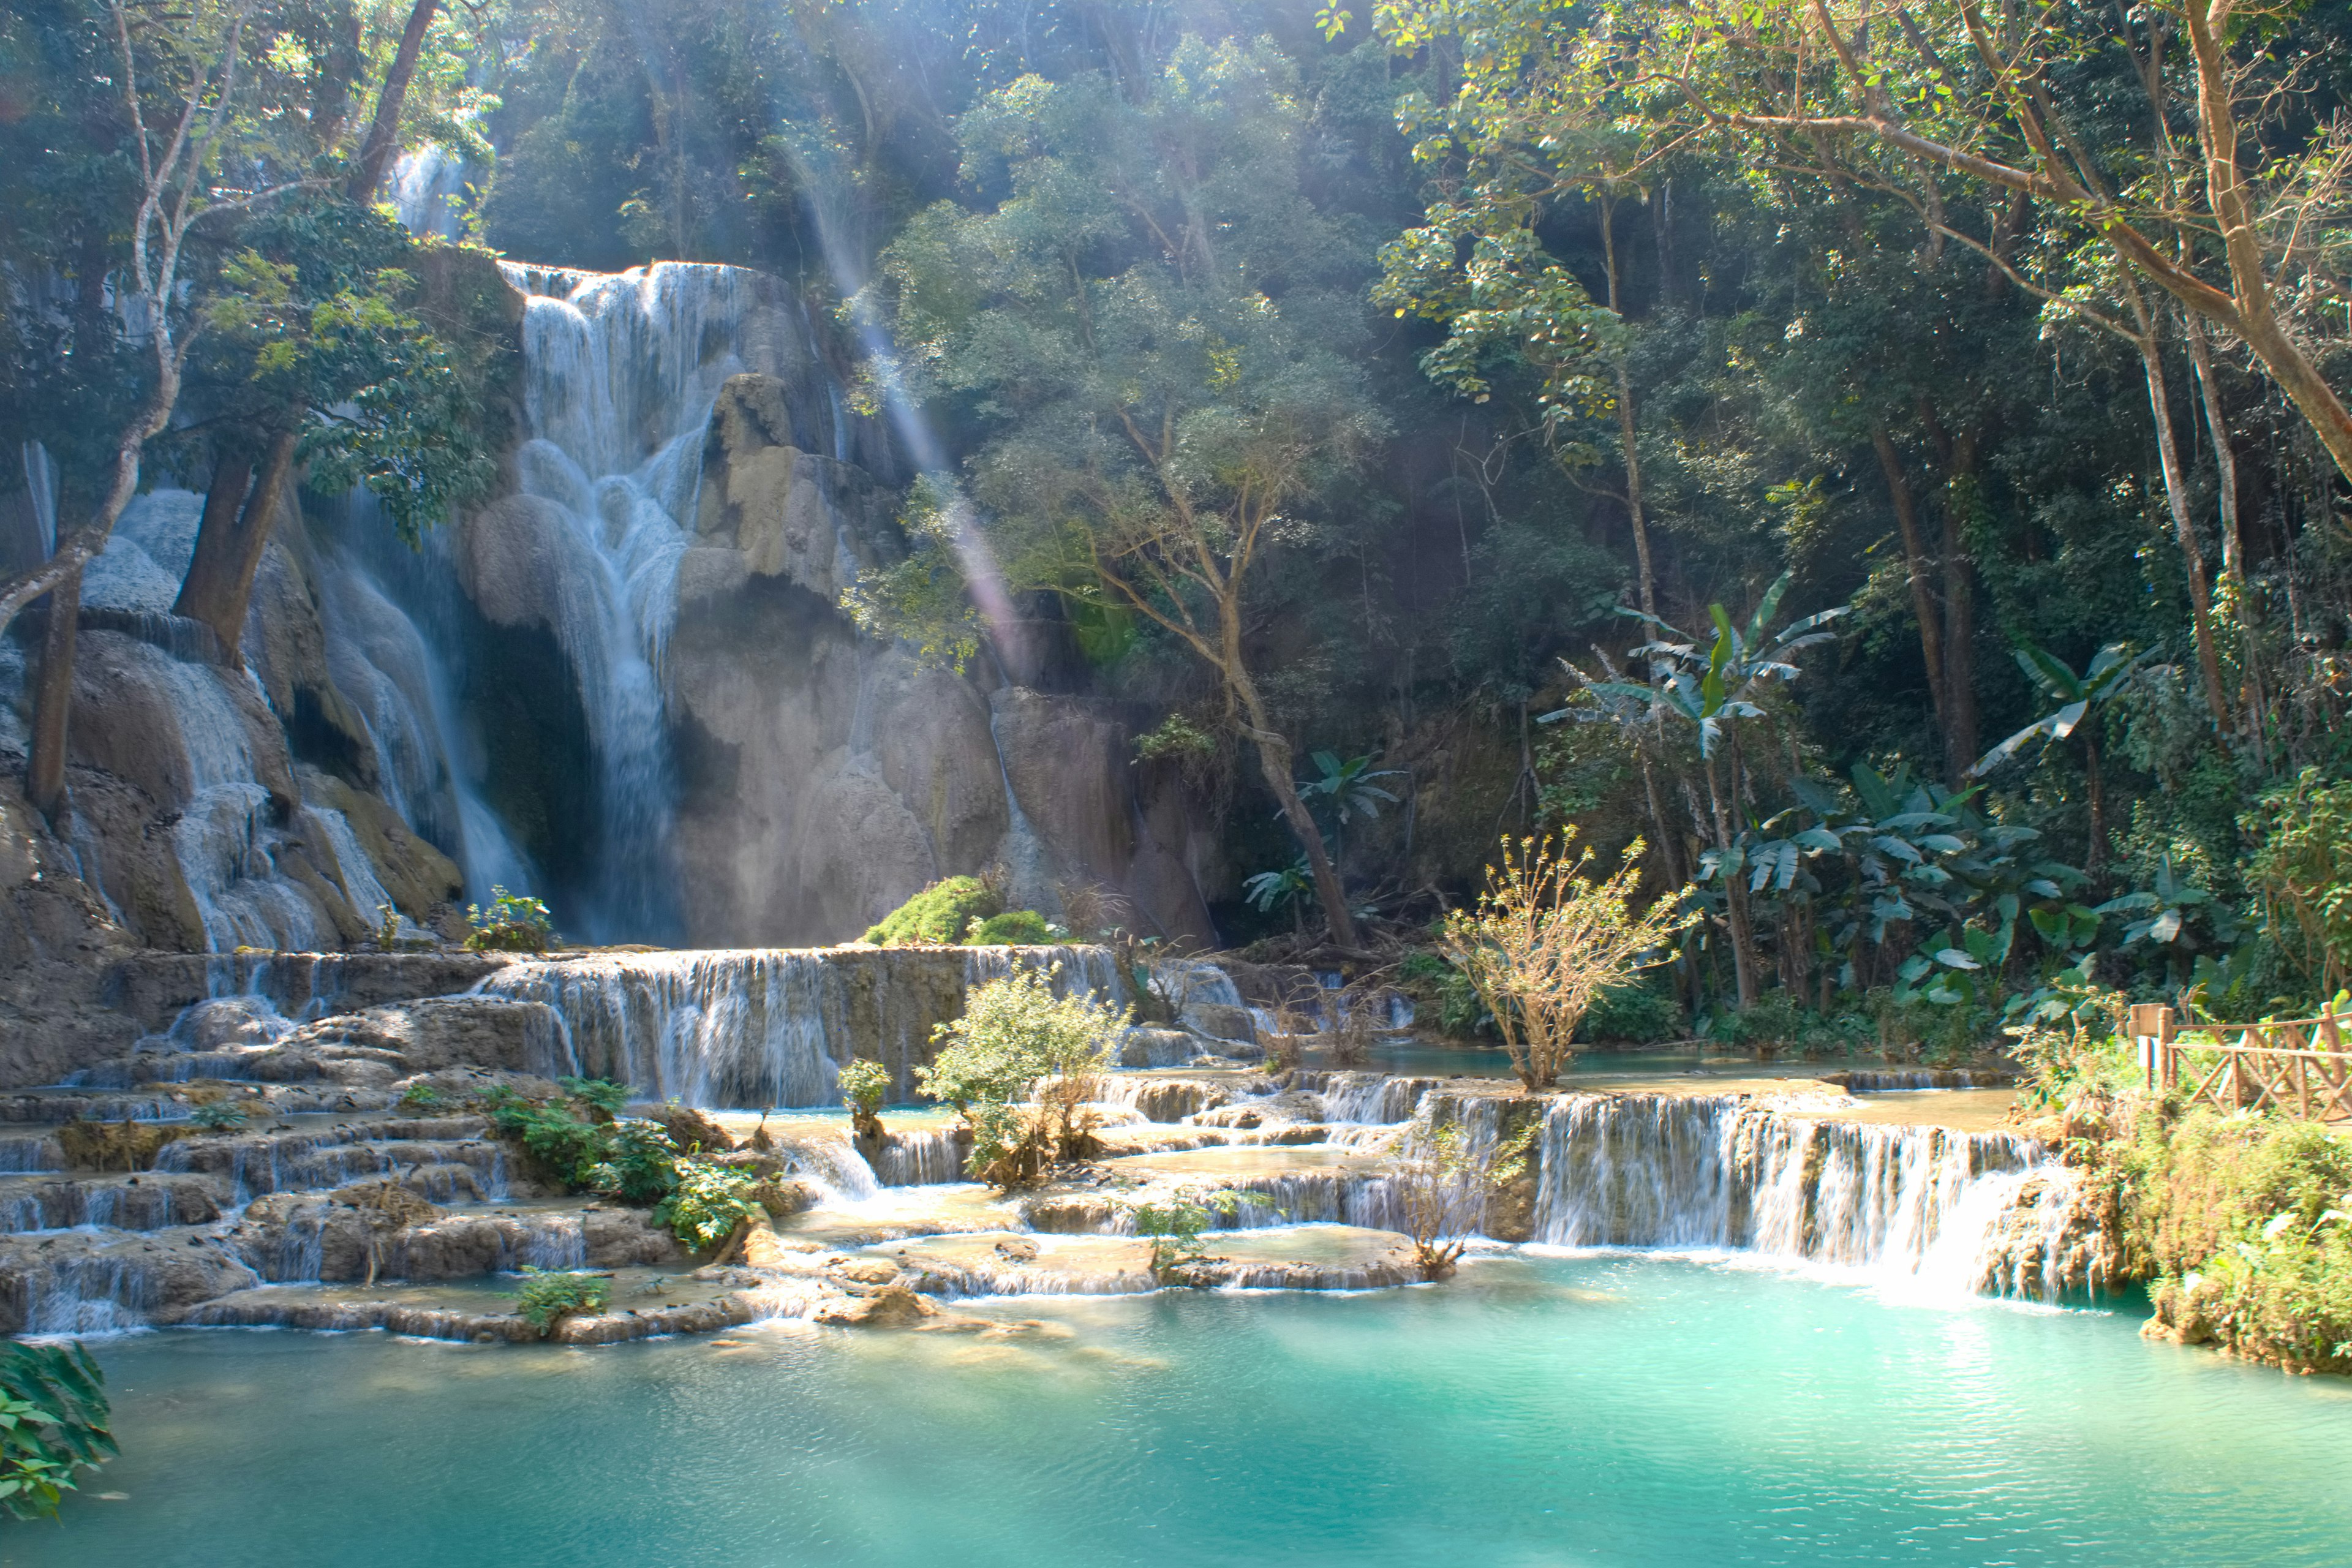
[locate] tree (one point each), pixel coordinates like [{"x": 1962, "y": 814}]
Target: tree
[
  {"x": 316, "y": 361},
  {"x": 1983, "y": 121},
  {"x": 187, "y": 102},
  {"x": 1149, "y": 322},
  {"x": 1716, "y": 693},
  {"x": 1544, "y": 939},
  {"x": 1018, "y": 1042},
  {"x": 1443, "y": 1176},
  {"x": 2113, "y": 671}
]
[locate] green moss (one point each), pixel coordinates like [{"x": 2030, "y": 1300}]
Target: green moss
[
  {"x": 1013, "y": 928},
  {"x": 938, "y": 916}
]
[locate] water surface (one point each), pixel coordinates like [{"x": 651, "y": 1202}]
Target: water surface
[{"x": 1602, "y": 1409}]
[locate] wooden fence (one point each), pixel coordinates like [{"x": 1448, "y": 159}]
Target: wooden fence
[{"x": 2299, "y": 1065}]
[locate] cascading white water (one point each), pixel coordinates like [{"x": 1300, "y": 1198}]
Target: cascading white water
[
  {"x": 620, "y": 373},
  {"x": 1370, "y": 1097},
  {"x": 428, "y": 188},
  {"x": 403, "y": 687},
  {"x": 767, "y": 1026},
  {"x": 1709, "y": 1171}
]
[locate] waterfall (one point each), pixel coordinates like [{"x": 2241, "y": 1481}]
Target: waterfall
[
  {"x": 770, "y": 1026},
  {"x": 1718, "y": 1171},
  {"x": 620, "y": 373},
  {"x": 1370, "y": 1097},
  {"x": 404, "y": 688},
  {"x": 428, "y": 188}
]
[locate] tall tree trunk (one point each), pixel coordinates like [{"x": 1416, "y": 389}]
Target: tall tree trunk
[
  {"x": 1915, "y": 569},
  {"x": 384, "y": 130},
  {"x": 1633, "y": 512},
  {"x": 1958, "y": 452},
  {"x": 2254, "y": 703},
  {"x": 45, "y": 774},
  {"x": 1960, "y": 750},
  {"x": 2096, "y": 859},
  {"x": 2192, "y": 558},
  {"x": 1275, "y": 760},
  {"x": 1735, "y": 896},
  {"x": 230, "y": 540}
]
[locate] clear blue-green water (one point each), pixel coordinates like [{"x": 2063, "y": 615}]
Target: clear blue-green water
[{"x": 1602, "y": 1410}]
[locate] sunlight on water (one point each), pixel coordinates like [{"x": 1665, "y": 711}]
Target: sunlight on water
[{"x": 1580, "y": 1410}]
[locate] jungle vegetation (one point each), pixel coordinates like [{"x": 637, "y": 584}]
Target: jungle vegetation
[{"x": 1890, "y": 462}]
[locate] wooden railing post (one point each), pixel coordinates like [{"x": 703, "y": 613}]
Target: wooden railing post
[{"x": 2151, "y": 1029}]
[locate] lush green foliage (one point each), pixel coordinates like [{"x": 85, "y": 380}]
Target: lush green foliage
[
  {"x": 514, "y": 922},
  {"x": 864, "y": 1091},
  {"x": 938, "y": 916},
  {"x": 1017, "y": 1042},
  {"x": 2302, "y": 871},
  {"x": 2245, "y": 1224},
  {"x": 709, "y": 1202},
  {"x": 53, "y": 1416},
  {"x": 547, "y": 1298},
  {"x": 579, "y": 1144},
  {"x": 1176, "y": 1227},
  {"x": 1013, "y": 928}
]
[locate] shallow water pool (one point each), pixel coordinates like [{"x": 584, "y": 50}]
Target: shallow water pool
[{"x": 1609, "y": 1409}]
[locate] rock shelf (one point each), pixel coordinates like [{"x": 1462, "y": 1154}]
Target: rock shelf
[{"x": 365, "y": 1190}]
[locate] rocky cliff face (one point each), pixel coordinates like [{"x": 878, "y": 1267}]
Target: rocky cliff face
[
  {"x": 824, "y": 775},
  {"x": 397, "y": 730}
]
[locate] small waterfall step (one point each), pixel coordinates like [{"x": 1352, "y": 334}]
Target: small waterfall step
[{"x": 147, "y": 1202}]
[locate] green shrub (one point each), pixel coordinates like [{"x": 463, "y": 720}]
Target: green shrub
[
  {"x": 2244, "y": 1226},
  {"x": 53, "y": 1423},
  {"x": 219, "y": 1116},
  {"x": 420, "y": 1097},
  {"x": 1779, "y": 1022},
  {"x": 599, "y": 1094},
  {"x": 1637, "y": 1013},
  {"x": 1175, "y": 1227},
  {"x": 1446, "y": 992},
  {"x": 628, "y": 1160},
  {"x": 513, "y": 924},
  {"x": 938, "y": 916},
  {"x": 864, "y": 1088},
  {"x": 546, "y": 1299},
  {"x": 1015, "y": 1037},
  {"x": 1013, "y": 928},
  {"x": 708, "y": 1202}
]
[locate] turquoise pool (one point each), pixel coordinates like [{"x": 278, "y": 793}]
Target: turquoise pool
[{"x": 1610, "y": 1409}]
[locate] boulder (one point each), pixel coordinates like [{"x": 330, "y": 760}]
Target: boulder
[
  {"x": 688, "y": 1128},
  {"x": 895, "y": 1307},
  {"x": 435, "y": 1033}
]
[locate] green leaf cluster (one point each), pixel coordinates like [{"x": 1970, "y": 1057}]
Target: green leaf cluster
[
  {"x": 54, "y": 1416},
  {"x": 515, "y": 922},
  {"x": 708, "y": 1202},
  {"x": 547, "y": 1298},
  {"x": 1016, "y": 1040},
  {"x": 938, "y": 916}
]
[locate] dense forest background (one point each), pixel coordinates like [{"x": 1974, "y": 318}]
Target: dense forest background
[{"x": 1494, "y": 361}]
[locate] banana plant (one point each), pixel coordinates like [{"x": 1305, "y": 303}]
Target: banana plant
[
  {"x": 1712, "y": 693},
  {"x": 1291, "y": 884},
  {"x": 1913, "y": 850},
  {"x": 2113, "y": 670},
  {"x": 2169, "y": 915},
  {"x": 1348, "y": 786}
]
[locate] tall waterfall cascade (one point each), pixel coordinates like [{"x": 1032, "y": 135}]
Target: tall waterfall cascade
[{"x": 621, "y": 371}]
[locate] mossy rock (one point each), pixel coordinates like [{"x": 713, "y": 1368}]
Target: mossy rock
[{"x": 938, "y": 916}]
